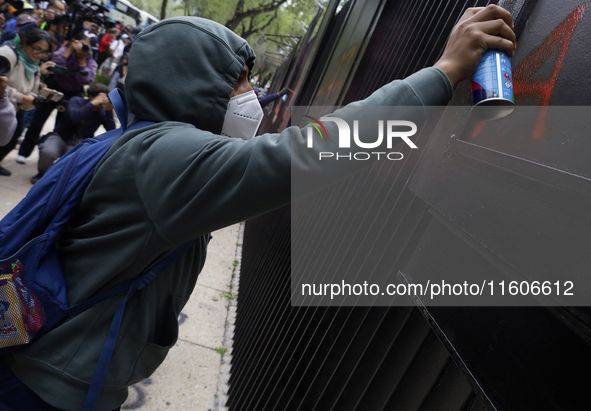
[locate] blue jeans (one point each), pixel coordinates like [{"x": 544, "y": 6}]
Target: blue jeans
[
  {"x": 28, "y": 117},
  {"x": 113, "y": 83},
  {"x": 16, "y": 396}
]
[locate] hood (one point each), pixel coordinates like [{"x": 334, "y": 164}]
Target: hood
[{"x": 184, "y": 69}]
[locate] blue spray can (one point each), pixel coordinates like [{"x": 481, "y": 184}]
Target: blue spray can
[{"x": 492, "y": 87}]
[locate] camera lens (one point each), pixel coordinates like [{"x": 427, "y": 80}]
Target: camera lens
[
  {"x": 85, "y": 48},
  {"x": 4, "y": 66}
]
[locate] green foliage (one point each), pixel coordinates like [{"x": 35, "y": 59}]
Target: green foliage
[
  {"x": 288, "y": 20},
  {"x": 150, "y": 6},
  {"x": 292, "y": 19},
  {"x": 101, "y": 79},
  {"x": 221, "y": 350},
  {"x": 228, "y": 296}
]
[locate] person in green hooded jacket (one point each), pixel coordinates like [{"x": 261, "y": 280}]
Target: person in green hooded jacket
[{"x": 182, "y": 178}]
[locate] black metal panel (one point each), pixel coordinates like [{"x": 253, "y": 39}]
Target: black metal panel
[
  {"x": 326, "y": 44},
  {"x": 465, "y": 359},
  {"x": 410, "y": 36}
]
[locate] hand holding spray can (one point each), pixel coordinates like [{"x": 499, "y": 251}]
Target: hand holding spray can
[{"x": 492, "y": 87}]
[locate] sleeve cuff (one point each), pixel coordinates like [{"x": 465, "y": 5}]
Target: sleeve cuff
[{"x": 431, "y": 86}]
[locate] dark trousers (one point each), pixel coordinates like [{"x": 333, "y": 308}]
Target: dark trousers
[
  {"x": 32, "y": 136},
  {"x": 41, "y": 115},
  {"x": 16, "y": 396},
  {"x": 102, "y": 57},
  {"x": 4, "y": 150}
]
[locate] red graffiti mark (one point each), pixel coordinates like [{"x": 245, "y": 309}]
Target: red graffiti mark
[
  {"x": 560, "y": 37},
  {"x": 478, "y": 128}
]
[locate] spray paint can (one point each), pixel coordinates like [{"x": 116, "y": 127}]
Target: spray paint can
[{"x": 492, "y": 87}]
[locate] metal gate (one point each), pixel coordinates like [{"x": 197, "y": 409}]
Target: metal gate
[{"x": 433, "y": 358}]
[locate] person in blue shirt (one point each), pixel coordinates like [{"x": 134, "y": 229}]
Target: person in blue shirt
[
  {"x": 23, "y": 22},
  {"x": 264, "y": 100}
]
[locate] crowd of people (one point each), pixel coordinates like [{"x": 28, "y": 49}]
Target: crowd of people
[{"x": 50, "y": 63}]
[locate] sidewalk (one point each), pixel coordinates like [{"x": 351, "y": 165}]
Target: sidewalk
[{"x": 188, "y": 378}]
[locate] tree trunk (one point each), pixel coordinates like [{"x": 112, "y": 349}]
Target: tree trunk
[{"x": 163, "y": 9}]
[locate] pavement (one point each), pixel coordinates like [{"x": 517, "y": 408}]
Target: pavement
[{"x": 190, "y": 377}]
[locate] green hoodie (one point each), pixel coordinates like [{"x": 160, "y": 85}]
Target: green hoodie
[{"x": 161, "y": 186}]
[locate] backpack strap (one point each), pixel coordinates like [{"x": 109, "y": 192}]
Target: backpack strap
[
  {"x": 120, "y": 104},
  {"x": 137, "y": 283}
]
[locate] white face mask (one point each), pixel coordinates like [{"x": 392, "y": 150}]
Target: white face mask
[{"x": 243, "y": 117}]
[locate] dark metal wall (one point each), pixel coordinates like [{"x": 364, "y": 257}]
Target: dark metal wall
[
  {"x": 341, "y": 358},
  {"x": 321, "y": 359},
  {"x": 414, "y": 38}
]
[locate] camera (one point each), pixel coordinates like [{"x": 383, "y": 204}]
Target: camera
[
  {"x": 60, "y": 18},
  {"x": 58, "y": 69},
  {"x": 50, "y": 94},
  {"x": 85, "y": 48},
  {"x": 5, "y": 66},
  {"x": 88, "y": 10},
  {"x": 84, "y": 10}
]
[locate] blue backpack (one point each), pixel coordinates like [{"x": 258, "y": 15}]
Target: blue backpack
[{"x": 33, "y": 297}]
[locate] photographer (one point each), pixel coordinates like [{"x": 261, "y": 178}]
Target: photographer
[
  {"x": 56, "y": 28},
  {"x": 83, "y": 117},
  {"x": 25, "y": 55},
  {"x": 91, "y": 30},
  {"x": 6, "y": 13},
  {"x": 81, "y": 69},
  {"x": 14, "y": 10},
  {"x": 7, "y": 114},
  {"x": 55, "y": 9},
  {"x": 23, "y": 22}
]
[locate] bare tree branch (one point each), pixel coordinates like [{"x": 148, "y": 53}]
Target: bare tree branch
[
  {"x": 242, "y": 13},
  {"x": 251, "y": 30}
]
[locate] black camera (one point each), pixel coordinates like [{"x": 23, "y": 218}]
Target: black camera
[
  {"x": 84, "y": 10},
  {"x": 85, "y": 48},
  {"x": 60, "y": 18},
  {"x": 5, "y": 66},
  {"x": 89, "y": 10}
]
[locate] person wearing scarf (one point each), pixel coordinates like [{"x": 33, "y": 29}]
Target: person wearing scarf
[
  {"x": 77, "y": 58},
  {"x": 31, "y": 66},
  {"x": 25, "y": 55}
]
